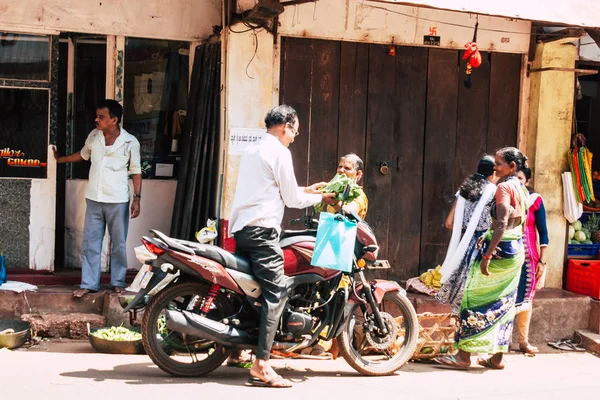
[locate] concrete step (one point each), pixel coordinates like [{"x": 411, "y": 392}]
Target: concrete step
[
  {"x": 47, "y": 300},
  {"x": 71, "y": 325},
  {"x": 589, "y": 340}
]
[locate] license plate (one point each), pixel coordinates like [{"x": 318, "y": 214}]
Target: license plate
[{"x": 145, "y": 279}]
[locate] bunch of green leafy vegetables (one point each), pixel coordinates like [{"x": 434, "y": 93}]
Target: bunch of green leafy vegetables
[
  {"x": 337, "y": 185},
  {"x": 118, "y": 334}
]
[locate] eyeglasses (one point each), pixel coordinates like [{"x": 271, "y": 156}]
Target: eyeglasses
[{"x": 296, "y": 133}]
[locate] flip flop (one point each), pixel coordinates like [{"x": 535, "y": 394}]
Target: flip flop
[
  {"x": 451, "y": 362},
  {"x": 322, "y": 356},
  {"x": 252, "y": 381},
  {"x": 528, "y": 349},
  {"x": 566, "y": 345},
  {"x": 488, "y": 363}
]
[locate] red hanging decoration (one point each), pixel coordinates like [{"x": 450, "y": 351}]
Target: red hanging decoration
[{"x": 472, "y": 55}]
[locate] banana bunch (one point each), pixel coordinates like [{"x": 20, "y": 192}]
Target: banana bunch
[{"x": 432, "y": 278}]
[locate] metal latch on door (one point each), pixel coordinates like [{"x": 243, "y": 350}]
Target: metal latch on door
[{"x": 384, "y": 166}]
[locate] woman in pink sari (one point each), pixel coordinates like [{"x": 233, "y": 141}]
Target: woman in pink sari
[{"x": 535, "y": 262}]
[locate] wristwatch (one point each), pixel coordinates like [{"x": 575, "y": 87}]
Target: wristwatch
[{"x": 138, "y": 196}]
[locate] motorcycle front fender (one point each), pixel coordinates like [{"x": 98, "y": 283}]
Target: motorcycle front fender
[{"x": 379, "y": 287}]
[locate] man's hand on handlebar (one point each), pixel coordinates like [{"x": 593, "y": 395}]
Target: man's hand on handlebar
[{"x": 314, "y": 188}]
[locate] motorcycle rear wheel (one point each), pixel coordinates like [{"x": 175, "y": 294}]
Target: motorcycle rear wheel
[
  {"x": 173, "y": 352},
  {"x": 362, "y": 352}
]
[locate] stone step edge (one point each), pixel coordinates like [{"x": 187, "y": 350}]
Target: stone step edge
[{"x": 69, "y": 326}]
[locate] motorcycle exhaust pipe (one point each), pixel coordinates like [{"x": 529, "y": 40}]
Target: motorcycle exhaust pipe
[{"x": 196, "y": 325}]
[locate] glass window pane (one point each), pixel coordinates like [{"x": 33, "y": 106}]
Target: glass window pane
[
  {"x": 25, "y": 57},
  {"x": 23, "y": 133},
  {"x": 155, "y": 101}
]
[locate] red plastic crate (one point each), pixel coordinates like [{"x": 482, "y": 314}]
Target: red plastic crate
[{"x": 583, "y": 277}]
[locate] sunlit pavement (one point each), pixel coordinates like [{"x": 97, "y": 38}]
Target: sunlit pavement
[{"x": 72, "y": 370}]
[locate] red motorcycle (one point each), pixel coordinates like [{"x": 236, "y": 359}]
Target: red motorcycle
[{"x": 211, "y": 304}]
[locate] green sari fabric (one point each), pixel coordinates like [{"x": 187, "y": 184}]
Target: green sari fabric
[{"x": 487, "y": 309}]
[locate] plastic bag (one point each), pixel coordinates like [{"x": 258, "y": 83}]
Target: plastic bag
[
  {"x": 208, "y": 233},
  {"x": 334, "y": 246}
]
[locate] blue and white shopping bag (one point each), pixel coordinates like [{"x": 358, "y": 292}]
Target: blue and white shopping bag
[{"x": 334, "y": 247}]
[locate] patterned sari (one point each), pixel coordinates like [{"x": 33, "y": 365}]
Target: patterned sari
[
  {"x": 487, "y": 309},
  {"x": 536, "y": 224}
]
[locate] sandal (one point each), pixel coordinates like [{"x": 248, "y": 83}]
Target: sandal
[
  {"x": 528, "y": 349},
  {"x": 451, "y": 362},
  {"x": 488, "y": 363},
  {"x": 277, "y": 382},
  {"x": 566, "y": 345}
]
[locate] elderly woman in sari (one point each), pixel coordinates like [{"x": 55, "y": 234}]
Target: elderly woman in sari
[
  {"x": 469, "y": 219},
  {"x": 352, "y": 166},
  {"x": 487, "y": 309}
]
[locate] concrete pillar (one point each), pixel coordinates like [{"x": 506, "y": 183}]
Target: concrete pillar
[
  {"x": 550, "y": 128},
  {"x": 250, "y": 68}
]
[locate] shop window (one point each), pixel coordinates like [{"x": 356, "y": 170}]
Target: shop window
[
  {"x": 23, "y": 132},
  {"x": 24, "y": 57},
  {"x": 155, "y": 99}
]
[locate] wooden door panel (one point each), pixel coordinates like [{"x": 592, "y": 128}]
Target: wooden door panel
[
  {"x": 407, "y": 178},
  {"x": 354, "y": 75},
  {"x": 325, "y": 94},
  {"x": 296, "y": 78},
  {"x": 440, "y": 142},
  {"x": 505, "y": 85},
  {"x": 381, "y": 116},
  {"x": 472, "y": 117}
]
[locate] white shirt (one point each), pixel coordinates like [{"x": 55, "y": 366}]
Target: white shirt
[
  {"x": 266, "y": 185},
  {"x": 111, "y": 166}
]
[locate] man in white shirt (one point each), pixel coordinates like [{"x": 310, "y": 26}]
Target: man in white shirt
[
  {"x": 266, "y": 185},
  {"x": 114, "y": 154}
]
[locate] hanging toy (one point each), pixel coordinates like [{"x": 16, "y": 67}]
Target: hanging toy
[{"x": 472, "y": 56}]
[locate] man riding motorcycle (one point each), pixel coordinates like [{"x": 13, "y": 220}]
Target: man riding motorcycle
[{"x": 266, "y": 185}]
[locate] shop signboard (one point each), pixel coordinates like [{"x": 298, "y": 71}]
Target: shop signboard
[{"x": 23, "y": 132}]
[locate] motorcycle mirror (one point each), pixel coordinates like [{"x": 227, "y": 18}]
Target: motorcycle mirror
[{"x": 346, "y": 192}]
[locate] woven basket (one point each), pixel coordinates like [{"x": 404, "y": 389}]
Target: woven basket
[{"x": 436, "y": 335}]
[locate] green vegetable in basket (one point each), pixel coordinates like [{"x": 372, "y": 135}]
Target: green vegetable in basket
[
  {"x": 337, "y": 185},
  {"x": 427, "y": 350},
  {"x": 118, "y": 334}
]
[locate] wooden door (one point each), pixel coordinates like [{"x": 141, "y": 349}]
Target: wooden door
[{"x": 410, "y": 110}]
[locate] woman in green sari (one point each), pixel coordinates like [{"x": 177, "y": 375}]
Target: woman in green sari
[{"x": 487, "y": 309}]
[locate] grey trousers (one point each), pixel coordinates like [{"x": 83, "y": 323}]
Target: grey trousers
[
  {"x": 261, "y": 245},
  {"x": 99, "y": 216}
]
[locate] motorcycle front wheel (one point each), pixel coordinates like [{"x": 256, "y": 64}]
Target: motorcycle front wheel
[
  {"x": 176, "y": 353},
  {"x": 372, "y": 353}
]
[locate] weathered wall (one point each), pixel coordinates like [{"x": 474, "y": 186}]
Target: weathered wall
[
  {"x": 374, "y": 22},
  {"x": 249, "y": 87},
  {"x": 550, "y": 119},
  {"x": 175, "y": 19}
]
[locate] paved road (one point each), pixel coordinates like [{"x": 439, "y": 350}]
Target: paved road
[{"x": 72, "y": 370}]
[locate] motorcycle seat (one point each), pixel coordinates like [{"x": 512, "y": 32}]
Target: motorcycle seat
[{"x": 225, "y": 258}]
